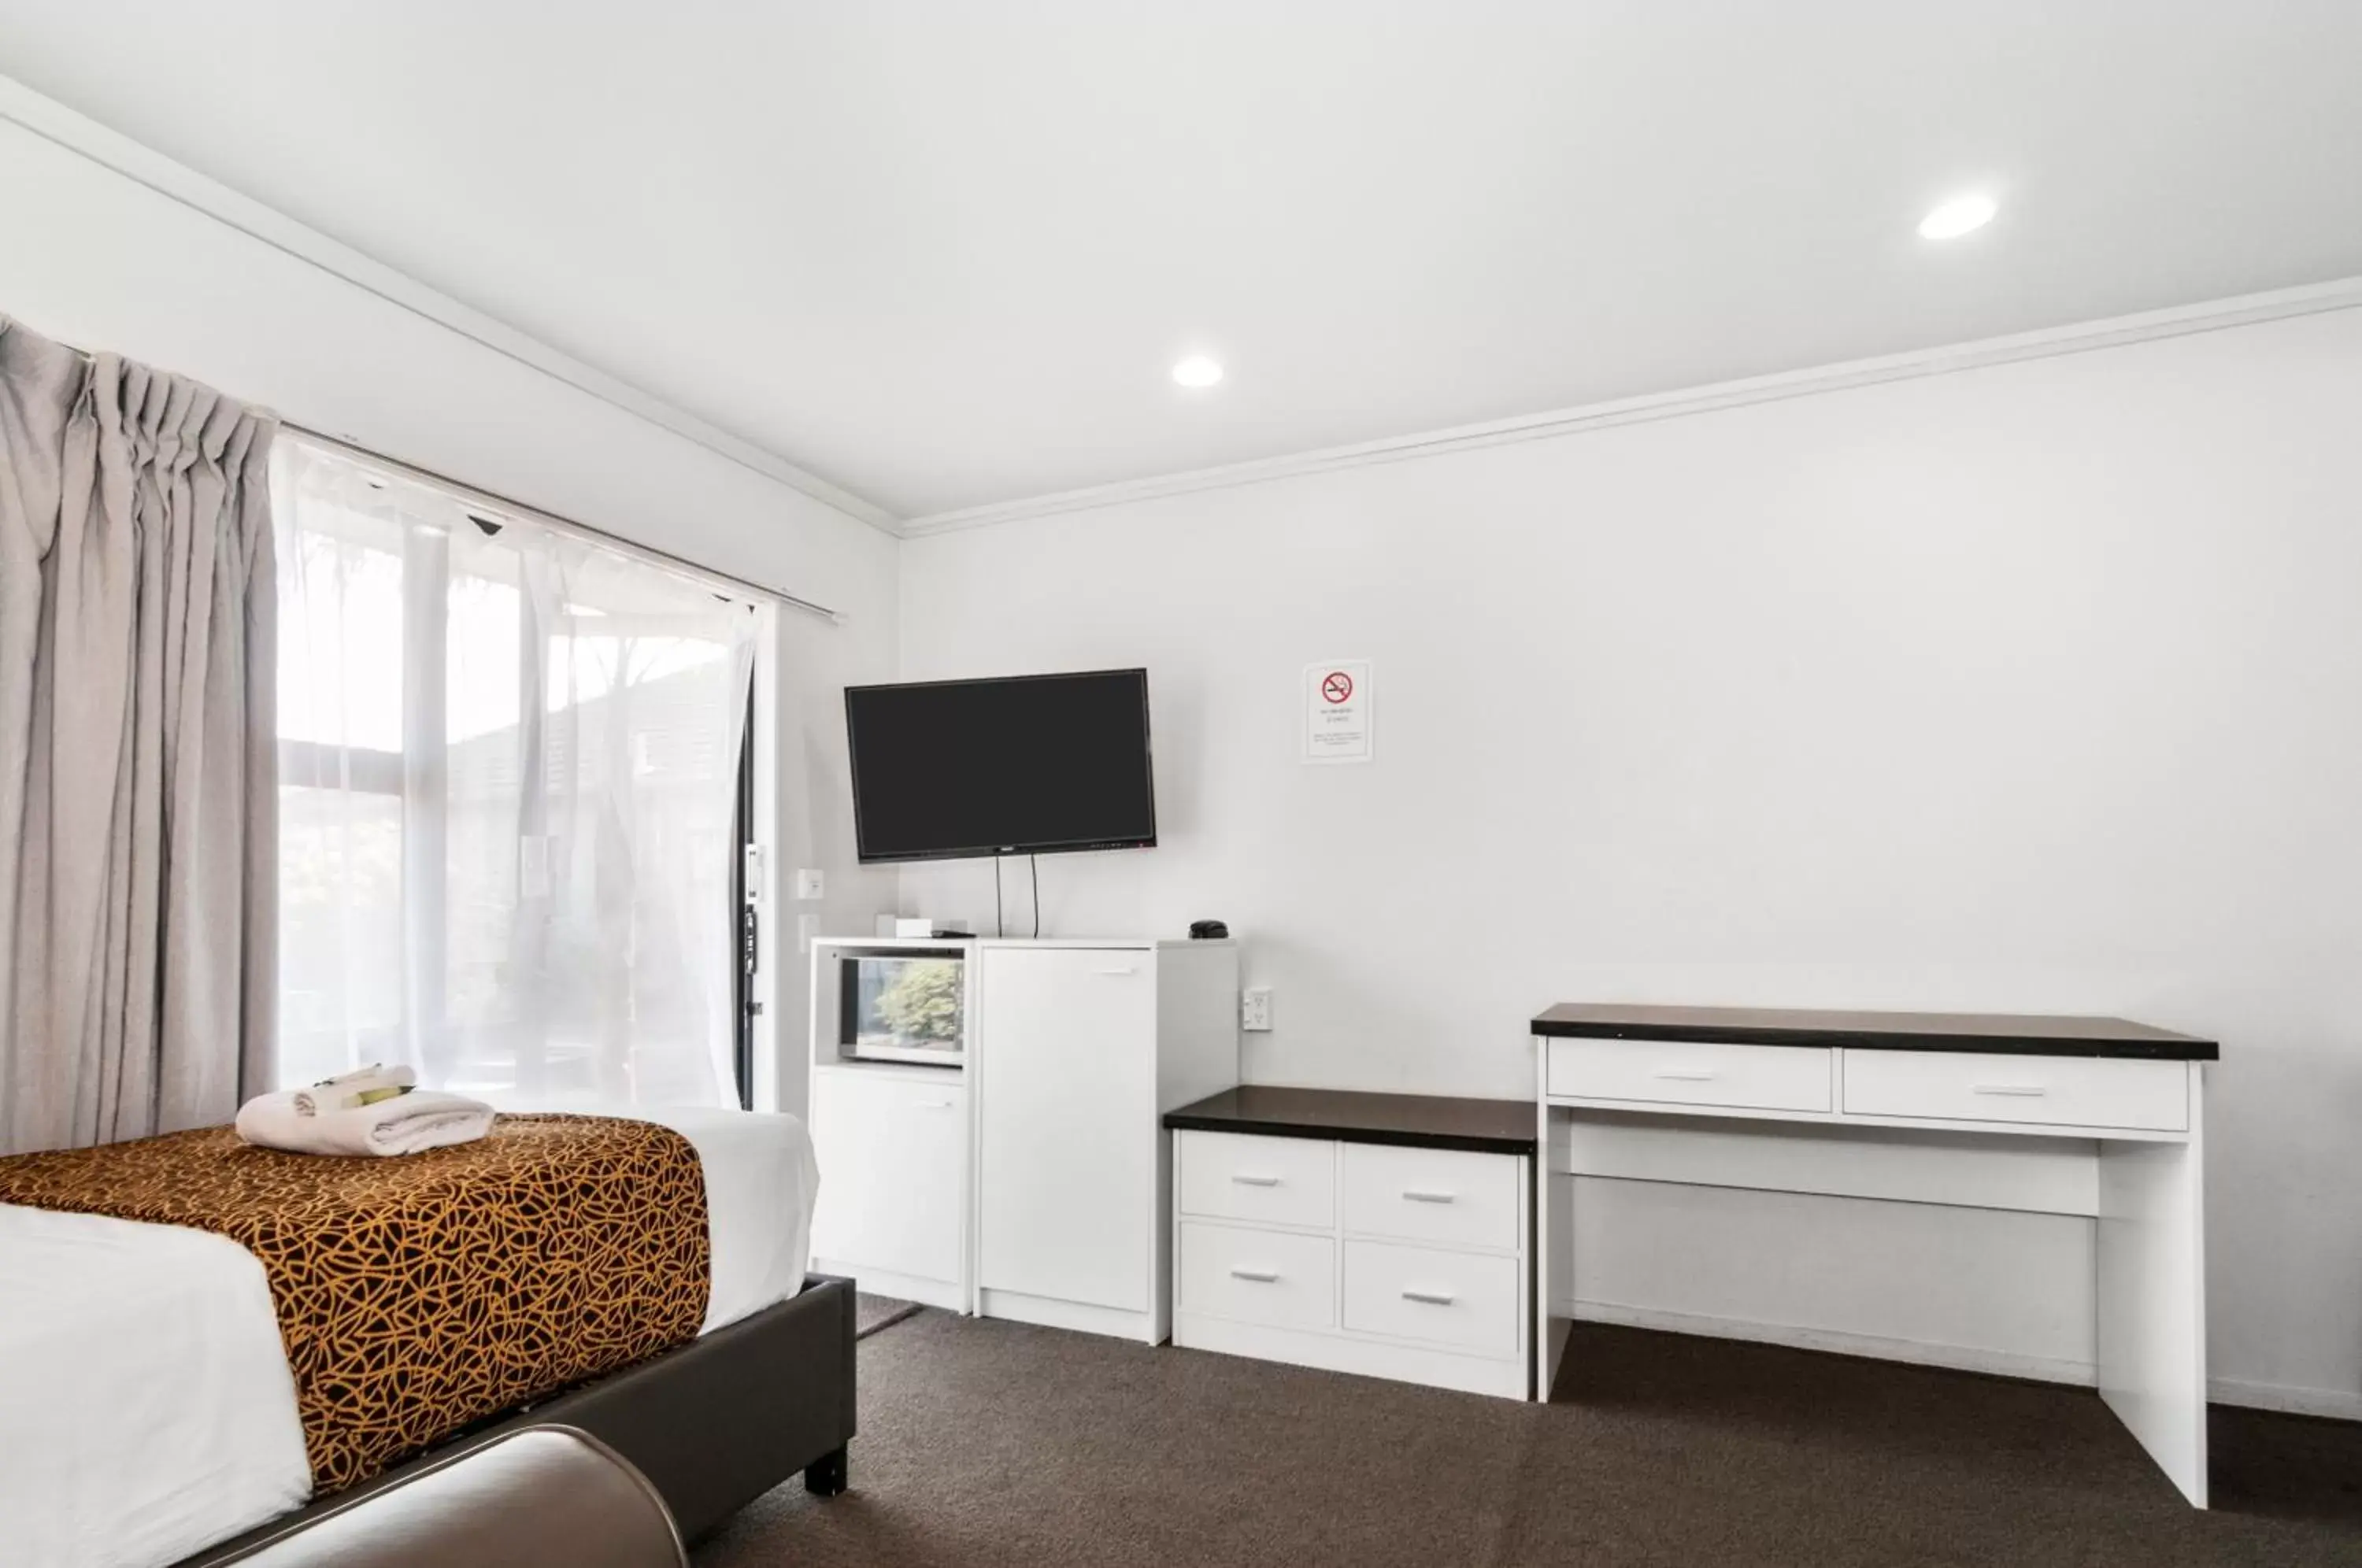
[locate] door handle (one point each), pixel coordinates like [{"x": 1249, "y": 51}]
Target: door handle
[
  {"x": 1430, "y": 1197},
  {"x": 2028, "y": 1091},
  {"x": 1255, "y": 1275},
  {"x": 1432, "y": 1298},
  {"x": 1245, "y": 1180}
]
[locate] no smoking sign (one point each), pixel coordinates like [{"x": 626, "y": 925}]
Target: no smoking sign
[{"x": 1337, "y": 710}]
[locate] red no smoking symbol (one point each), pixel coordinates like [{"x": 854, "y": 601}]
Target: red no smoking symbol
[{"x": 1336, "y": 686}]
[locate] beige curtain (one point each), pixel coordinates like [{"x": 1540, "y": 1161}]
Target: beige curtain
[{"x": 139, "y": 792}]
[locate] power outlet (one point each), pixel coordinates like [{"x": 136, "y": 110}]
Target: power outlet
[
  {"x": 809, "y": 884},
  {"x": 1254, "y": 1009}
]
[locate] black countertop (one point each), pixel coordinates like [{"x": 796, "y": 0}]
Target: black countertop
[
  {"x": 1419, "y": 1121},
  {"x": 2002, "y": 1034}
]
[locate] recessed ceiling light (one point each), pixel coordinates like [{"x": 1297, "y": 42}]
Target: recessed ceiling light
[
  {"x": 1197, "y": 370},
  {"x": 1957, "y": 216}
]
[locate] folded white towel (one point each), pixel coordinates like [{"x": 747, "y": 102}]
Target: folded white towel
[
  {"x": 407, "y": 1125},
  {"x": 347, "y": 1089}
]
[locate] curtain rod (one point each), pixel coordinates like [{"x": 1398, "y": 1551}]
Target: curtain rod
[
  {"x": 494, "y": 501},
  {"x": 498, "y": 501}
]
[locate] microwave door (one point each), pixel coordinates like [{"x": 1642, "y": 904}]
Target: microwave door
[{"x": 903, "y": 1008}]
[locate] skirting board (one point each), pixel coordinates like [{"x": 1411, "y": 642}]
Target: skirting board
[
  {"x": 2336, "y": 1404},
  {"x": 2332, "y": 1403},
  {"x": 1961, "y": 1358},
  {"x": 1019, "y": 1307},
  {"x": 1369, "y": 1358},
  {"x": 939, "y": 1293}
]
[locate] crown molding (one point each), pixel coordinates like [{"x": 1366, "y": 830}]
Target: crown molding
[
  {"x": 54, "y": 122},
  {"x": 77, "y": 133},
  {"x": 2082, "y": 337}
]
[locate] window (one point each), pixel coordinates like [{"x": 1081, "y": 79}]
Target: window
[{"x": 510, "y": 777}]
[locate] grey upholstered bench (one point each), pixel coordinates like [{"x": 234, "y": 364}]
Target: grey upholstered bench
[{"x": 551, "y": 1496}]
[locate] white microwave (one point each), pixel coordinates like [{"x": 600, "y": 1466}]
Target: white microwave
[{"x": 903, "y": 1007}]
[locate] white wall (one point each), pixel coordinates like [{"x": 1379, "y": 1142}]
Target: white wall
[
  {"x": 813, "y": 800},
  {"x": 2033, "y": 688},
  {"x": 2036, "y": 687},
  {"x": 102, "y": 261}
]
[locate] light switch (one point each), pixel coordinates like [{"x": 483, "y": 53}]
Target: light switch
[{"x": 808, "y": 884}]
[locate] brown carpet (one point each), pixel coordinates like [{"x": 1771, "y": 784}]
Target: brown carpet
[
  {"x": 871, "y": 1313},
  {"x": 988, "y": 1442}
]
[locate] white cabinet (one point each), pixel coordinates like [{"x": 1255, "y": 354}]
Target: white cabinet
[
  {"x": 1063, "y": 1165},
  {"x": 1389, "y": 1260},
  {"x": 1027, "y": 1177},
  {"x": 893, "y": 1152},
  {"x": 1080, "y": 1049}
]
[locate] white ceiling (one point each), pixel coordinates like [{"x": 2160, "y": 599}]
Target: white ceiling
[{"x": 944, "y": 254}]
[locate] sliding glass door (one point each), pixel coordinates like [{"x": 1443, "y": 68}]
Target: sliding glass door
[{"x": 510, "y": 788}]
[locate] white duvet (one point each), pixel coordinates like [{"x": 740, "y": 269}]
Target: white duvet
[{"x": 145, "y": 1408}]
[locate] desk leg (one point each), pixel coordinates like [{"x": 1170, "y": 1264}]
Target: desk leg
[
  {"x": 2152, "y": 1296},
  {"x": 1553, "y": 1250}
]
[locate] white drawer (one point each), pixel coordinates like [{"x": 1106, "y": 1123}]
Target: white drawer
[
  {"x": 1758, "y": 1077},
  {"x": 2054, "y": 1091},
  {"x": 1431, "y": 1195},
  {"x": 1259, "y": 1276},
  {"x": 1467, "y": 1300},
  {"x": 1279, "y": 1181}
]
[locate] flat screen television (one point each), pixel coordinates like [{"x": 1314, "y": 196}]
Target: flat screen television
[{"x": 1022, "y": 765}]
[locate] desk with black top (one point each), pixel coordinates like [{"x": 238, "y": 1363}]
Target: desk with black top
[{"x": 2095, "y": 1116}]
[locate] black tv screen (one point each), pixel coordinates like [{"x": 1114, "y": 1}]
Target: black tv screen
[{"x": 1024, "y": 765}]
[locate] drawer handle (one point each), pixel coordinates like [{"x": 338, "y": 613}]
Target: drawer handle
[
  {"x": 1244, "y": 1180},
  {"x": 1125, "y": 969},
  {"x": 1687, "y": 1076},
  {"x": 1432, "y": 1298},
  {"x": 935, "y": 1105},
  {"x": 2030, "y": 1092},
  {"x": 1256, "y": 1276},
  {"x": 1415, "y": 1196}
]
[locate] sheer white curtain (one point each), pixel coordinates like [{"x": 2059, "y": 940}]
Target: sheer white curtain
[{"x": 508, "y": 777}]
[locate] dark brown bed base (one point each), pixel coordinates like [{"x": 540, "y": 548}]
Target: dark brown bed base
[{"x": 713, "y": 1424}]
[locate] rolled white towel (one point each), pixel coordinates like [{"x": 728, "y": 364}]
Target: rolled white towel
[
  {"x": 407, "y": 1125},
  {"x": 346, "y": 1090}
]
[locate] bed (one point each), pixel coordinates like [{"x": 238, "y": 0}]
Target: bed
[{"x": 150, "y": 1418}]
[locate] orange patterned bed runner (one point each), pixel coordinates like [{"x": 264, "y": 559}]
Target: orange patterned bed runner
[{"x": 420, "y": 1294}]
